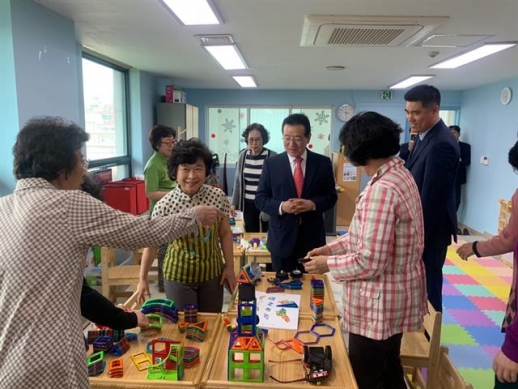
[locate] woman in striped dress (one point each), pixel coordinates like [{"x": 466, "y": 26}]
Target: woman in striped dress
[{"x": 248, "y": 172}]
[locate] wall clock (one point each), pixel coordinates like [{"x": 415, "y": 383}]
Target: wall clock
[
  {"x": 506, "y": 95},
  {"x": 345, "y": 112}
]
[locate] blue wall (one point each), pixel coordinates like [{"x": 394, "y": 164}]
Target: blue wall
[
  {"x": 491, "y": 128},
  {"x": 8, "y": 105},
  {"x": 45, "y": 55},
  {"x": 362, "y": 100}
]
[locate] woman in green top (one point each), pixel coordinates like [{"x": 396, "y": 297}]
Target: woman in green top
[
  {"x": 194, "y": 269},
  {"x": 156, "y": 176}
]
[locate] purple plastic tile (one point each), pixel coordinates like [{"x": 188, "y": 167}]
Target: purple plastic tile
[
  {"x": 450, "y": 290},
  {"x": 491, "y": 350},
  {"x": 468, "y": 317}
]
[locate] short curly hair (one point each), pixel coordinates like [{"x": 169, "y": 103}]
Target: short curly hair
[
  {"x": 513, "y": 157},
  {"x": 188, "y": 152},
  {"x": 259, "y": 127},
  {"x": 45, "y": 147},
  {"x": 369, "y": 135},
  {"x": 159, "y": 131}
]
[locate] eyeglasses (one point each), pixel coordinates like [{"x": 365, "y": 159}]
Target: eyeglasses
[
  {"x": 295, "y": 139},
  {"x": 169, "y": 143}
]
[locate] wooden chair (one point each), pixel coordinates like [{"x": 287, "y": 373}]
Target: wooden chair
[
  {"x": 113, "y": 276},
  {"x": 422, "y": 348},
  {"x": 448, "y": 377}
]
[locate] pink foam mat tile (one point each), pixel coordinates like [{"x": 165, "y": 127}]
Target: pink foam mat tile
[
  {"x": 448, "y": 262},
  {"x": 471, "y": 317},
  {"x": 491, "y": 263},
  {"x": 460, "y": 279},
  {"x": 488, "y": 303}
]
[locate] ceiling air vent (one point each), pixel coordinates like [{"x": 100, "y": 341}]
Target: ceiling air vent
[
  {"x": 215, "y": 39},
  {"x": 367, "y": 31}
]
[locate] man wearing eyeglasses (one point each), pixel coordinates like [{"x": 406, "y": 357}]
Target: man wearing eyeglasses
[
  {"x": 296, "y": 188},
  {"x": 156, "y": 176}
]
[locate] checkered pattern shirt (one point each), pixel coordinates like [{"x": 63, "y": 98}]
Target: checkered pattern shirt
[
  {"x": 194, "y": 257},
  {"x": 380, "y": 260},
  {"x": 45, "y": 234}
]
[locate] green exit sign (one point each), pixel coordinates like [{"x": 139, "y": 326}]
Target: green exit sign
[{"x": 386, "y": 95}]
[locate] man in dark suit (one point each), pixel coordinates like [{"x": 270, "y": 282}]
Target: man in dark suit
[
  {"x": 465, "y": 161},
  {"x": 434, "y": 162},
  {"x": 295, "y": 189}
]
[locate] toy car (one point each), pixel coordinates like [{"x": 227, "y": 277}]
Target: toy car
[{"x": 318, "y": 362}]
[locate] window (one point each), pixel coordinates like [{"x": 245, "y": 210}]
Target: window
[
  {"x": 226, "y": 124},
  {"x": 105, "y": 87},
  {"x": 449, "y": 116}
]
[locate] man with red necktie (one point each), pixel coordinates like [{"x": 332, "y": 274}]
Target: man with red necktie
[{"x": 295, "y": 189}]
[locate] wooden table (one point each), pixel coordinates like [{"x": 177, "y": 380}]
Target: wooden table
[
  {"x": 330, "y": 310},
  {"x": 341, "y": 376},
  {"x": 133, "y": 378}
]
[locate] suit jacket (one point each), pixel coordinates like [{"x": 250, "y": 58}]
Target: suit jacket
[
  {"x": 277, "y": 185},
  {"x": 404, "y": 152},
  {"x": 434, "y": 164},
  {"x": 465, "y": 161}
]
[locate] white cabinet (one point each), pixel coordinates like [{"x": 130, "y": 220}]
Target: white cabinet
[{"x": 182, "y": 117}]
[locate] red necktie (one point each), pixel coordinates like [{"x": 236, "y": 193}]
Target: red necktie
[{"x": 298, "y": 176}]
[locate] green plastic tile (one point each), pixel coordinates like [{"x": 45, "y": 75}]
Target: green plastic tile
[
  {"x": 496, "y": 317},
  {"x": 451, "y": 269},
  {"x": 456, "y": 334},
  {"x": 474, "y": 290},
  {"x": 478, "y": 378}
]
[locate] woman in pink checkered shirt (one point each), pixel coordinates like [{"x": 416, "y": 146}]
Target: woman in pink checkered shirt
[{"x": 380, "y": 260}]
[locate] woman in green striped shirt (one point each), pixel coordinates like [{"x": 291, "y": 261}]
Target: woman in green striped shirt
[{"x": 194, "y": 268}]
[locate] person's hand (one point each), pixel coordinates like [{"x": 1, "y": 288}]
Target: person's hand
[
  {"x": 143, "y": 291},
  {"x": 317, "y": 265},
  {"x": 233, "y": 212},
  {"x": 288, "y": 206},
  {"x": 465, "y": 251},
  {"x": 142, "y": 320},
  {"x": 411, "y": 145},
  {"x": 228, "y": 277},
  {"x": 324, "y": 250},
  {"x": 208, "y": 215},
  {"x": 302, "y": 205},
  {"x": 505, "y": 369}
]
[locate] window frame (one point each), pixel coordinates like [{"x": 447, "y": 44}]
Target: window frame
[{"x": 124, "y": 160}]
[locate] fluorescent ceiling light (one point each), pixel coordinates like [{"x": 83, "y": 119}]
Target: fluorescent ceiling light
[
  {"x": 473, "y": 55},
  {"x": 228, "y": 56},
  {"x": 409, "y": 82},
  {"x": 192, "y": 12},
  {"x": 245, "y": 81}
]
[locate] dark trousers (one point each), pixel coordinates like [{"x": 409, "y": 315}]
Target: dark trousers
[
  {"x": 291, "y": 262},
  {"x": 251, "y": 218},
  {"x": 207, "y": 295},
  {"x": 433, "y": 263},
  {"x": 376, "y": 363},
  {"x": 505, "y": 385}
]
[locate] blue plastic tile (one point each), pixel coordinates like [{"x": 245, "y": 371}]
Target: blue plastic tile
[{"x": 458, "y": 302}]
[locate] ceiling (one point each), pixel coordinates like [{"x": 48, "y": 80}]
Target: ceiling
[{"x": 144, "y": 35}]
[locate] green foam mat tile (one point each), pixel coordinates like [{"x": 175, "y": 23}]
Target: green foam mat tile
[
  {"x": 456, "y": 334},
  {"x": 474, "y": 290},
  {"x": 479, "y": 378},
  {"x": 496, "y": 317}
]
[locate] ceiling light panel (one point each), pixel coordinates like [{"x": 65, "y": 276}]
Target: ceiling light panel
[
  {"x": 193, "y": 12},
  {"x": 228, "y": 56},
  {"x": 472, "y": 55},
  {"x": 245, "y": 81},
  {"x": 410, "y": 81}
]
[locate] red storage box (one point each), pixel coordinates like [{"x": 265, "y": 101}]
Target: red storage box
[{"x": 128, "y": 195}]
